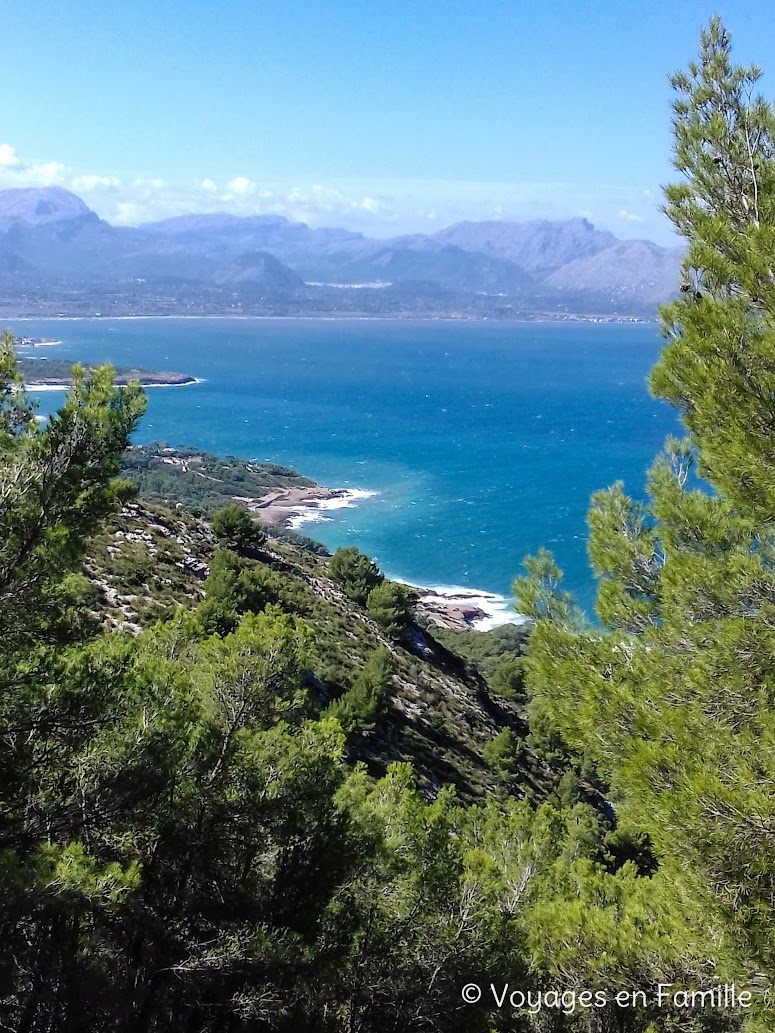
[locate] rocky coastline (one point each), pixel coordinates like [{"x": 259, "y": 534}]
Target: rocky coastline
[
  {"x": 452, "y": 608},
  {"x": 290, "y": 507},
  {"x": 446, "y": 613},
  {"x": 34, "y": 342}
]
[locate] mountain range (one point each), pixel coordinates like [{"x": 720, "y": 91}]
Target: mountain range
[{"x": 52, "y": 244}]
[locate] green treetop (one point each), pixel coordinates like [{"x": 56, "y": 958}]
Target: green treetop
[
  {"x": 388, "y": 605},
  {"x": 58, "y": 480},
  {"x": 356, "y": 573},
  {"x": 235, "y": 527}
]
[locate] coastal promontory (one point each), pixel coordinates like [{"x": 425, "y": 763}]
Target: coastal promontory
[{"x": 55, "y": 373}]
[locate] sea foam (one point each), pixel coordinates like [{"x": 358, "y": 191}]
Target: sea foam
[
  {"x": 313, "y": 511},
  {"x": 499, "y": 609}
]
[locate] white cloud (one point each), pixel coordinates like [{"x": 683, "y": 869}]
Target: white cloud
[
  {"x": 376, "y": 207},
  {"x": 240, "y": 186},
  {"x": 47, "y": 173},
  {"x": 129, "y": 213},
  {"x": 8, "y": 156},
  {"x": 15, "y": 172},
  {"x": 145, "y": 183},
  {"x": 92, "y": 182}
]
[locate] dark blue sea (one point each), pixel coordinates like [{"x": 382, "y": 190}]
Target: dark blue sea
[{"x": 483, "y": 441}]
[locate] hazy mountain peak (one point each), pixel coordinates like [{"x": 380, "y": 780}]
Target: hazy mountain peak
[
  {"x": 182, "y": 224},
  {"x": 259, "y": 269},
  {"x": 39, "y": 206},
  {"x": 637, "y": 267},
  {"x": 538, "y": 246}
]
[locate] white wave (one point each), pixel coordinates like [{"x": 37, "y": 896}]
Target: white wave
[
  {"x": 346, "y": 500},
  {"x": 307, "y": 517},
  {"x": 188, "y": 383},
  {"x": 312, "y": 512},
  {"x": 498, "y": 609}
]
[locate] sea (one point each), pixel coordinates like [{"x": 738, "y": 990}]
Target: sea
[{"x": 466, "y": 445}]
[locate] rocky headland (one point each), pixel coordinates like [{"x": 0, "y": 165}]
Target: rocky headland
[{"x": 47, "y": 373}]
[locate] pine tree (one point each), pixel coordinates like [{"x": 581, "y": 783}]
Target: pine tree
[
  {"x": 388, "y": 605},
  {"x": 674, "y": 697}
]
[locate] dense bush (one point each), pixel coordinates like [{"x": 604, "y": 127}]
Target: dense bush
[
  {"x": 388, "y": 605},
  {"x": 365, "y": 700},
  {"x": 235, "y": 527},
  {"x": 356, "y": 573}
]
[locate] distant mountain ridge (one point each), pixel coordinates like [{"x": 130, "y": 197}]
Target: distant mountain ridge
[
  {"x": 636, "y": 266},
  {"x": 49, "y": 236},
  {"x": 538, "y": 246}
]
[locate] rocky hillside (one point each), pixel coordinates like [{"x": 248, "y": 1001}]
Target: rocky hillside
[
  {"x": 451, "y": 692},
  {"x": 442, "y": 711}
]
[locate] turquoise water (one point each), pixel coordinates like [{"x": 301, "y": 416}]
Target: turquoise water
[{"x": 484, "y": 441}]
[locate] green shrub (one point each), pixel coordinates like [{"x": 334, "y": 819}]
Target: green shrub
[
  {"x": 216, "y": 617},
  {"x": 366, "y": 699},
  {"x": 235, "y": 527},
  {"x": 503, "y": 752},
  {"x": 388, "y": 605},
  {"x": 356, "y": 573}
]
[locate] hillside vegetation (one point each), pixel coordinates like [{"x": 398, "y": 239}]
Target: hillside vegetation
[
  {"x": 201, "y": 482},
  {"x": 440, "y": 711}
]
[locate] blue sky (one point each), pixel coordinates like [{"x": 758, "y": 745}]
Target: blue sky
[{"x": 384, "y": 117}]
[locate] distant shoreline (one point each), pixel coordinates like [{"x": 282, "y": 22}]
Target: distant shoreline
[
  {"x": 542, "y": 319},
  {"x": 56, "y": 375}
]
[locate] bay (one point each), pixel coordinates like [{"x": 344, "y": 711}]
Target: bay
[{"x": 483, "y": 441}]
